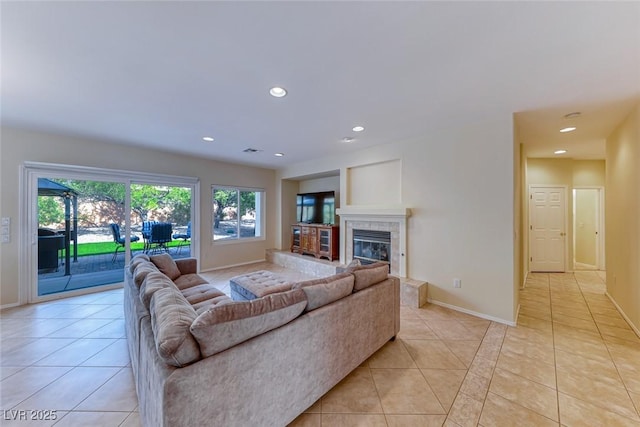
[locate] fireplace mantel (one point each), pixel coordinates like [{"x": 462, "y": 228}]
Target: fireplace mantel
[
  {"x": 383, "y": 218},
  {"x": 376, "y": 211}
]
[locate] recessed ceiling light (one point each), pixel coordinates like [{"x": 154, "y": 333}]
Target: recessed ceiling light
[
  {"x": 348, "y": 139},
  {"x": 569, "y": 129},
  {"x": 358, "y": 128},
  {"x": 279, "y": 154},
  {"x": 572, "y": 115},
  {"x": 559, "y": 151},
  {"x": 277, "y": 91},
  {"x": 207, "y": 138}
]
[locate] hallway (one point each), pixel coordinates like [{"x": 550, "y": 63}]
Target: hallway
[{"x": 566, "y": 322}]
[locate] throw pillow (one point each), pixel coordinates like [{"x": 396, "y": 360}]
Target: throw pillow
[
  {"x": 137, "y": 260},
  {"x": 354, "y": 263},
  {"x": 171, "y": 317},
  {"x": 167, "y": 265},
  {"x": 153, "y": 282},
  {"x": 229, "y": 324},
  {"x": 141, "y": 272},
  {"x": 325, "y": 291},
  {"x": 367, "y": 275}
]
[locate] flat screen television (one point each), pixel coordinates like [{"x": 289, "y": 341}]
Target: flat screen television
[{"x": 316, "y": 208}]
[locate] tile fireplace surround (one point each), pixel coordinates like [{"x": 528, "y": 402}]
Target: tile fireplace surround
[{"x": 393, "y": 220}]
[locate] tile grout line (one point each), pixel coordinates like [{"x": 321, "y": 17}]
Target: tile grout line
[
  {"x": 611, "y": 356},
  {"x": 553, "y": 342}
]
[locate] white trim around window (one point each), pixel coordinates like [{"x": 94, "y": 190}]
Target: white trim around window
[{"x": 259, "y": 212}]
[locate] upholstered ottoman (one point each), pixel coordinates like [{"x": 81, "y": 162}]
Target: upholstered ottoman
[{"x": 257, "y": 284}]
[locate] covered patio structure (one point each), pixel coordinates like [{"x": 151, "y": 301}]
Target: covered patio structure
[{"x": 47, "y": 187}]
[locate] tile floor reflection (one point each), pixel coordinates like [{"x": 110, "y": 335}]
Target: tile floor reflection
[{"x": 572, "y": 360}]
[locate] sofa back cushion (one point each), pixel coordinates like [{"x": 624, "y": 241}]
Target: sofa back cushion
[
  {"x": 141, "y": 271},
  {"x": 171, "y": 317},
  {"x": 136, "y": 260},
  {"x": 367, "y": 275},
  {"x": 167, "y": 265},
  {"x": 229, "y": 324},
  {"x": 324, "y": 291},
  {"x": 153, "y": 282}
]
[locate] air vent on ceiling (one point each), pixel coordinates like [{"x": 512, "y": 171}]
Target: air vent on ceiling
[{"x": 250, "y": 150}]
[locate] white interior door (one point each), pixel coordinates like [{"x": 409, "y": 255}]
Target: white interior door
[{"x": 547, "y": 228}]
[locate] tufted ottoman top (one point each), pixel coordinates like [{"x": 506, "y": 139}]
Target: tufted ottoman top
[{"x": 257, "y": 284}]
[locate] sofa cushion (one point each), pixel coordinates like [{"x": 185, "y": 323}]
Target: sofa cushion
[
  {"x": 226, "y": 325},
  {"x": 137, "y": 260},
  {"x": 326, "y": 290},
  {"x": 153, "y": 282},
  {"x": 167, "y": 265},
  {"x": 171, "y": 317},
  {"x": 205, "y": 305},
  {"x": 186, "y": 281},
  {"x": 201, "y": 293},
  {"x": 367, "y": 275},
  {"x": 141, "y": 271}
]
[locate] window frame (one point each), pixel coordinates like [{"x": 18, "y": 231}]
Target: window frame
[
  {"x": 30, "y": 171},
  {"x": 261, "y": 197}
]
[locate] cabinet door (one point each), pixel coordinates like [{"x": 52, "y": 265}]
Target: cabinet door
[
  {"x": 295, "y": 238},
  {"x": 313, "y": 247},
  {"x": 308, "y": 239},
  {"x": 324, "y": 241}
]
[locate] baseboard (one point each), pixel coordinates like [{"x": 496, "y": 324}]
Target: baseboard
[
  {"x": 624, "y": 316},
  {"x": 473, "y": 313},
  {"x": 578, "y": 266},
  {"x": 232, "y": 265},
  {"x": 11, "y": 305}
]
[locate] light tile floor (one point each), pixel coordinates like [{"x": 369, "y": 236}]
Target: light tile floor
[{"x": 572, "y": 360}]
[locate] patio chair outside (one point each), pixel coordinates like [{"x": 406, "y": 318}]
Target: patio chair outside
[
  {"x": 119, "y": 240},
  {"x": 146, "y": 233},
  {"x": 184, "y": 237},
  {"x": 160, "y": 237}
]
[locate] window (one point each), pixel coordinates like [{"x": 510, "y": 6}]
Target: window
[{"x": 237, "y": 213}]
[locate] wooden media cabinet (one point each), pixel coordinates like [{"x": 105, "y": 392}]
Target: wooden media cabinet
[{"x": 319, "y": 240}]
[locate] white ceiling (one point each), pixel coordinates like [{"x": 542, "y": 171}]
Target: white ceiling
[{"x": 165, "y": 74}]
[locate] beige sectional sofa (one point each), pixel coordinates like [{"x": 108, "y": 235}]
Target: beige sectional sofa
[{"x": 200, "y": 358}]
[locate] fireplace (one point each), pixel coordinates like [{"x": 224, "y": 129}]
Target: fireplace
[
  {"x": 366, "y": 225},
  {"x": 371, "y": 246}
]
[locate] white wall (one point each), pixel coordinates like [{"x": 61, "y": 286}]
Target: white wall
[
  {"x": 19, "y": 146},
  {"x": 329, "y": 183},
  {"x": 459, "y": 186},
  {"x": 374, "y": 184},
  {"x": 622, "y": 216}
]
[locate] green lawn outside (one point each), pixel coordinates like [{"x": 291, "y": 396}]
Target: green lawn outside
[{"x": 98, "y": 248}]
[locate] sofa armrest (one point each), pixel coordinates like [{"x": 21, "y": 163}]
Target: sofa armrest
[{"x": 187, "y": 265}]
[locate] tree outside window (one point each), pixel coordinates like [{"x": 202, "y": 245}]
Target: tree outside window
[{"x": 237, "y": 213}]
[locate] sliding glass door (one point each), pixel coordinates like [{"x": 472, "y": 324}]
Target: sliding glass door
[{"x": 83, "y": 225}]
